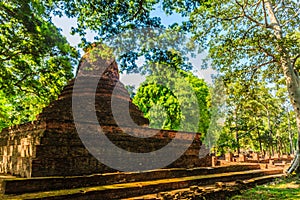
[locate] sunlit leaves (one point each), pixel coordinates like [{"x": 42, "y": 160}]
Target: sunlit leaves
[
  {"x": 36, "y": 60},
  {"x": 159, "y": 103}
]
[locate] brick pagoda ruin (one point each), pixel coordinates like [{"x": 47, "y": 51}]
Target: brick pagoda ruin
[{"x": 50, "y": 145}]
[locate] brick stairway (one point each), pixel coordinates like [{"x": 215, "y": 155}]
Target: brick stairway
[{"x": 128, "y": 185}]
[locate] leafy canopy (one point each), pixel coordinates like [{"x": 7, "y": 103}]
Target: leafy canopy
[
  {"x": 131, "y": 20},
  {"x": 238, "y": 34},
  {"x": 35, "y": 60},
  {"x": 157, "y": 100}
]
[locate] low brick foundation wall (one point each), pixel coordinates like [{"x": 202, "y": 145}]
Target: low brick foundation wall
[
  {"x": 18, "y": 148},
  {"x": 54, "y": 149}
]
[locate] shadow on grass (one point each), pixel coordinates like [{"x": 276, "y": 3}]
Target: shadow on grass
[{"x": 288, "y": 188}]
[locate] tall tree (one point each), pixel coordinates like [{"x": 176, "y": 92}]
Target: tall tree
[
  {"x": 250, "y": 35},
  {"x": 257, "y": 117},
  {"x": 163, "y": 107},
  {"x": 35, "y": 60}
]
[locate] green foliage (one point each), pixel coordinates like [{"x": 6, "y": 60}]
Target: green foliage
[
  {"x": 108, "y": 18},
  {"x": 35, "y": 60},
  {"x": 259, "y": 117},
  {"x": 247, "y": 47},
  {"x": 19, "y": 109},
  {"x": 135, "y": 33},
  {"x": 239, "y": 34},
  {"x": 159, "y": 105},
  {"x": 226, "y": 142},
  {"x": 162, "y": 106},
  {"x": 284, "y": 188}
]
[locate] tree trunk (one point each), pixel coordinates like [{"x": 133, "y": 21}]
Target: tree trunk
[
  {"x": 237, "y": 132},
  {"x": 270, "y": 131},
  {"x": 290, "y": 133},
  {"x": 259, "y": 140},
  {"x": 280, "y": 149},
  {"x": 291, "y": 76}
]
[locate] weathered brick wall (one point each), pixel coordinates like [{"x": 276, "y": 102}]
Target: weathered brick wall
[
  {"x": 61, "y": 153},
  {"x": 18, "y": 148},
  {"x": 54, "y": 149},
  {"x": 45, "y": 149}
]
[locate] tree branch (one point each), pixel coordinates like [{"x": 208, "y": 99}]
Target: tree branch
[
  {"x": 253, "y": 73},
  {"x": 256, "y": 5},
  {"x": 248, "y": 30},
  {"x": 248, "y": 17},
  {"x": 23, "y": 79},
  {"x": 292, "y": 18},
  {"x": 263, "y": 64},
  {"x": 140, "y": 9},
  {"x": 262, "y": 49},
  {"x": 277, "y": 7},
  {"x": 295, "y": 60},
  {"x": 8, "y": 57},
  {"x": 265, "y": 14},
  {"x": 228, "y": 19}
]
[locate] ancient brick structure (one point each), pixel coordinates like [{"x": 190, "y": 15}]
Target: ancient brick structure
[{"x": 50, "y": 146}]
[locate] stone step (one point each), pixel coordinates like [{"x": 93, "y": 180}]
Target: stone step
[
  {"x": 126, "y": 190},
  {"x": 25, "y": 185},
  {"x": 216, "y": 191}
]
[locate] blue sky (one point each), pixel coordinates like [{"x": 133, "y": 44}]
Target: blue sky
[{"x": 133, "y": 79}]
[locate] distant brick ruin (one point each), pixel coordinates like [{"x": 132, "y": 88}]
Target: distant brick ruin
[{"x": 50, "y": 146}]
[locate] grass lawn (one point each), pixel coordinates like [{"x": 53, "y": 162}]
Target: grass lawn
[{"x": 286, "y": 188}]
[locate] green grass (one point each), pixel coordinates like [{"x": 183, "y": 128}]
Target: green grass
[{"x": 286, "y": 188}]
